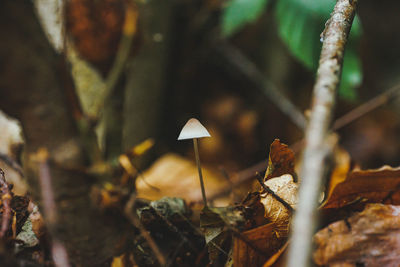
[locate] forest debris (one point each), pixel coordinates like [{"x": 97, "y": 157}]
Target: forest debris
[
  {"x": 275, "y": 211},
  {"x": 215, "y": 235},
  {"x": 281, "y": 161},
  {"x": 6, "y": 197},
  {"x": 11, "y": 144},
  {"x": 369, "y": 238},
  {"x": 176, "y": 176},
  {"x": 27, "y": 235},
  {"x": 264, "y": 238},
  {"x": 373, "y": 186},
  {"x": 278, "y": 258},
  {"x": 341, "y": 170}
]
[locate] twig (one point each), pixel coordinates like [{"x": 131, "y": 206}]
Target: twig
[
  {"x": 6, "y": 200},
  {"x": 367, "y": 107},
  {"x": 260, "y": 179},
  {"x": 59, "y": 252},
  {"x": 317, "y": 148},
  {"x": 236, "y": 58},
  {"x": 136, "y": 222}
]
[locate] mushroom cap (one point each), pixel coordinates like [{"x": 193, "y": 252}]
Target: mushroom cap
[{"x": 193, "y": 129}]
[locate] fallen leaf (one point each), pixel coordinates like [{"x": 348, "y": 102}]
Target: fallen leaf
[
  {"x": 369, "y": 238},
  {"x": 281, "y": 161},
  {"x": 215, "y": 235},
  {"x": 175, "y": 176},
  {"x": 275, "y": 211},
  {"x": 263, "y": 238},
  {"x": 27, "y": 236},
  {"x": 278, "y": 258},
  {"x": 373, "y": 186},
  {"x": 342, "y": 168},
  {"x": 218, "y": 225}
]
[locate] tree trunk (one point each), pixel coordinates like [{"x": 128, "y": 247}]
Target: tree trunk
[{"x": 32, "y": 79}]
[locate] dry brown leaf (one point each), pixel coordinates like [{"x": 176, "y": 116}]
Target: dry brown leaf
[
  {"x": 278, "y": 258},
  {"x": 263, "y": 238},
  {"x": 281, "y": 160},
  {"x": 275, "y": 211},
  {"x": 373, "y": 186},
  {"x": 369, "y": 238},
  {"x": 176, "y": 176}
]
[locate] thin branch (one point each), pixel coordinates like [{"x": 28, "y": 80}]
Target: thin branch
[
  {"x": 236, "y": 58},
  {"x": 6, "y": 200},
  {"x": 318, "y": 146},
  {"x": 136, "y": 222},
  {"x": 59, "y": 252},
  {"x": 367, "y": 107}
]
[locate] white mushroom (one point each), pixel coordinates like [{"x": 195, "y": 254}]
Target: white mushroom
[{"x": 193, "y": 129}]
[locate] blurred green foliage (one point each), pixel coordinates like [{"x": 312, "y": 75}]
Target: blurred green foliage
[
  {"x": 240, "y": 12},
  {"x": 300, "y": 23}
]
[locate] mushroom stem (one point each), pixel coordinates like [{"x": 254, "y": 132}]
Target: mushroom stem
[{"x": 196, "y": 152}]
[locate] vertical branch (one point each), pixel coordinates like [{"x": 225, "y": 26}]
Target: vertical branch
[
  {"x": 58, "y": 251},
  {"x": 318, "y": 146},
  {"x": 6, "y": 200}
]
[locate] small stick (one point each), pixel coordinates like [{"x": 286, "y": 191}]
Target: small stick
[
  {"x": 6, "y": 199},
  {"x": 318, "y": 145},
  {"x": 367, "y": 107},
  {"x": 196, "y": 152},
  {"x": 136, "y": 222},
  {"x": 269, "y": 191},
  {"x": 59, "y": 252}
]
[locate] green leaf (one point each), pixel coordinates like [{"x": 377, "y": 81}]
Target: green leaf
[
  {"x": 300, "y": 23},
  {"x": 351, "y": 75},
  {"x": 240, "y": 12}
]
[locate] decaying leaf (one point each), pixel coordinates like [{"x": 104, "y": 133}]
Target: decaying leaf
[
  {"x": 373, "y": 186},
  {"x": 215, "y": 234},
  {"x": 278, "y": 258},
  {"x": 369, "y": 238},
  {"x": 341, "y": 170},
  {"x": 176, "y": 176},
  {"x": 275, "y": 211},
  {"x": 264, "y": 243},
  {"x": 281, "y": 160},
  {"x": 218, "y": 225}
]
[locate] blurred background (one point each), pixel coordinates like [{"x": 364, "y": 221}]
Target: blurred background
[{"x": 245, "y": 69}]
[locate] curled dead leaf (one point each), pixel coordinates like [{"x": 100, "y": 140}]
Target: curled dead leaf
[
  {"x": 373, "y": 186},
  {"x": 275, "y": 211},
  {"x": 369, "y": 238},
  {"x": 281, "y": 160},
  {"x": 262, "y": 238}
]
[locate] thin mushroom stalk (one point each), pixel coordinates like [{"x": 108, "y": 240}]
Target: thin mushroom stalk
[{"x": 193, "y": 129}]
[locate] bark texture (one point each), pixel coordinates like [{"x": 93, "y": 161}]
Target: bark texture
[
  {"x": 32, "y": 79},
  {"x": 318, "y": 147},
  {"x": 147, "y": 73}
]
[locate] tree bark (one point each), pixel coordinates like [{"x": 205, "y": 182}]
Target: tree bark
[
  {"x": 317, "y": 146},
  {"x": 147, "y": 73}
]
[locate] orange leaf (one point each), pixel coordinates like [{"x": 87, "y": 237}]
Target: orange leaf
[{"x": 373, "y": 186}]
